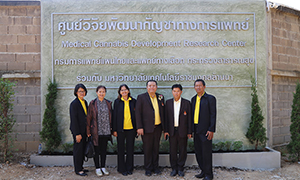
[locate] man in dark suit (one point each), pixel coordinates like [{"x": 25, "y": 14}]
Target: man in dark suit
[
  {"x": 178, "y": 125},
  {"x": 149, "y": 122},
  {"x": 204, "y": 115}
]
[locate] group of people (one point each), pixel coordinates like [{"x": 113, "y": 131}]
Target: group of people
[{"x": 149, "y": 116}]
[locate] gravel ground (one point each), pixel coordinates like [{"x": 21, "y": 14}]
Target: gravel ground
[{"x": 20, "y": 169}]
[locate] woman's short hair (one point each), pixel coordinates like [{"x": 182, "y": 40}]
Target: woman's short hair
[
  {"x": 79, "y": 86},
  {"x": 119, "y": 90},
  {"x": 99, "y": 87}
]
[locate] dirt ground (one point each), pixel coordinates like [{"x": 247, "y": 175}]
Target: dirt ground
[{"x": 20, "y": 169}]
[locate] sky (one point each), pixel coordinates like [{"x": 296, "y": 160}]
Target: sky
[{"x": 295, "y": 4}]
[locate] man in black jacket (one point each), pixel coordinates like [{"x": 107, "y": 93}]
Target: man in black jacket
[
  {"x": 149, "y": 122},
  {"x": 204, "y": 115},
  {"x": 178, "y": 125}
]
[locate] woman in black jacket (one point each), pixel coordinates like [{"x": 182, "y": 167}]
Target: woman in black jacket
[
  {"x": 78, "y": 112},
  {"x": 124, "y": 128}
]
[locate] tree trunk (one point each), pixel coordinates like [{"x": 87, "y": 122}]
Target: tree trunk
[
  {"x": 5, "y": 143},
  {"x": 5, "y": 135},
  {"x": 256, "y": 144}
]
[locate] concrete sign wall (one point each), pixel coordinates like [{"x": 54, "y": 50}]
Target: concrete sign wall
[{"x": 116, "y": 42}]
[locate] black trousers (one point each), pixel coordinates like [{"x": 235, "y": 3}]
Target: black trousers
[
  {"x": 180, "y": 144},
  {"x": 127, "y": 136},
  {"x": 151, "y": 148},
  {"x": 78, "y": 153},
  {"x": 203, "y": 151},
  {"x": 101, "y": 150}
]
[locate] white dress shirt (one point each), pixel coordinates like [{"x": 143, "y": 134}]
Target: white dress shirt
[{"x": 176, "y": 112}]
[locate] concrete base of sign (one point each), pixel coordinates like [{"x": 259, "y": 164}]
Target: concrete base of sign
[
  {"x": 248, "y": 160},
  {"x": 267, "y": 160}
]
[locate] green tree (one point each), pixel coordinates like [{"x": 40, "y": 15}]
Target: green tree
[
  {"x": 49, "y": 134},
  {"x": 294, "y": 145},
  {"x": 6, "y": 117},
  {"x": 256, "y": 132}
]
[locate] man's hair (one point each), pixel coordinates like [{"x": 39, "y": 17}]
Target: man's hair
[
  {"x": 177, "y": 86},
  {"x": 79, "y": 86},
  {"x": 151, "y": 80},
  {"x": 201, "y": 80},
  {"x": 99, "y": 87}
]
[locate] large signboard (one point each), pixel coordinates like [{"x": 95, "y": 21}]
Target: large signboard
[
  {"x": 166, "y": 46},
  {"x": 114, "y": 42}
]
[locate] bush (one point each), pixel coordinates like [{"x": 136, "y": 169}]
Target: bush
[
  {"x": 49, "y": 134},
  {"x": 138, "y": 146},
  {"x": 256, "y": 132},
  {"x": 67, "y": 147},
  {"x": 237, "y": 145},
  {"x": 190, "y": 146},
  {"x": 215, "y": 147},
  {"x": 221, "y": 146},
  {"x": 294, "y": 145},
  {"x": 113, "y": 148},
  {"x": 227, "y": 145},
  {"x": 6, "y": 117},
  {"x": 164, "y": 146}
]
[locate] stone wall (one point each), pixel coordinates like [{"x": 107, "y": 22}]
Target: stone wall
[
  {"x": 285, "y": 71},
  {"x": 20, "y": 57}
]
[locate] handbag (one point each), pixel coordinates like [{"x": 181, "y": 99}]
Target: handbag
[{"x": 89, "y": 149}]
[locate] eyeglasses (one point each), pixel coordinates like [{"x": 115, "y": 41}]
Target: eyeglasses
[
  {"x": 81, "y": 91},
  {"x": 123, "y": 90}
]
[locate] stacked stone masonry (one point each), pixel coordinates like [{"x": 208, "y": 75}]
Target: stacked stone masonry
[
  {"x": 20, "y": 38},
  {"x": 20, "y": 53},
  {"x": 286, "y": 59},
  {"x": 285, "y": 41}
]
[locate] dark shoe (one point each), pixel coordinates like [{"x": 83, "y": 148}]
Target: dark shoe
[
  {"x": 201, "y": 175},
  {"x": 81, "y": 174},
  {"x": 148, "y": 173},
  {"x": 124, "y": 173},
  {"x": 85, "y": 170},
  {"x": 207, "y": 178},
  {"x": 129, "y": 172},
  {"x": 173, "y": 173},
  {"x": 157, "y": 172},
  {"x": 180, "y": 173}
]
